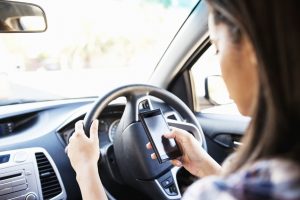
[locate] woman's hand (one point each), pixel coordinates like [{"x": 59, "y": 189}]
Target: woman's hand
[
  {"x": 194, "y": 158},
  {"x": 84, "y": 155},
  {"x": 83, "y": 151}
]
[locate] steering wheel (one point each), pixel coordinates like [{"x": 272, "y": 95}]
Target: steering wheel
[{"x": 133, "y": 165}]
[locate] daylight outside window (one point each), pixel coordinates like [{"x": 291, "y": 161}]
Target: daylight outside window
[
  {"x": 89, "y": 46},
  {"x": 207, "y": 70}
]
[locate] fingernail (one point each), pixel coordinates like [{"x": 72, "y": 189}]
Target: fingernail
[
  {"x": 167, "y": 134},
  {"x": 178, "y": 163},
  {"x": 153, "y": 156},
  {"x": 77, "y": 126},
  {"x": 66, "y": 150}
]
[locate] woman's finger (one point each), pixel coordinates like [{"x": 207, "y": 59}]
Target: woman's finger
[
  {"x": 148, "y": 145},
  {"x": 178, "y": 134},
  {"x": 176, "y": 163},
  {"x": 170, "y": 135},
  {"x": 71, "y": 138},
  {"x": 153, "y": 156},
  {"x": 94, "y": 130},
  {"x": 79, "y": 127}
]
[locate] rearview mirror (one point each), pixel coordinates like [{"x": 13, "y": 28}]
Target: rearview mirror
[
  {"x": 19, "y": 17},
  {"x": 216, "y": 91}
]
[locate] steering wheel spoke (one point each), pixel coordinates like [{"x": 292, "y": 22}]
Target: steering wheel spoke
[
  {"x": 168, "y": 184},
  {"x": 189, "y": 127},
  {"x": 108, "y": 163},
  {"x": 138, "y": 102}
]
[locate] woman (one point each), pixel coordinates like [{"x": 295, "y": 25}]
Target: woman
[{"x": 258, "y": 44}]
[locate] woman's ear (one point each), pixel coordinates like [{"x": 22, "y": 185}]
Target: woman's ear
[
  {"x": 252, "y": 70},
  {"x": 250, "y": 52}
]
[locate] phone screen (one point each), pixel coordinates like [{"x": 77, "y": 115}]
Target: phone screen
[{"x": 155, "y": 126}]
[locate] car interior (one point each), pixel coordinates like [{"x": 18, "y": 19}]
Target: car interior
[{"x": 34, "y": 135}]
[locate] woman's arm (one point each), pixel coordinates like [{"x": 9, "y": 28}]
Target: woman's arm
[
  {"x": 84, "y": 154},
  {"x": 90, "y": 183}
]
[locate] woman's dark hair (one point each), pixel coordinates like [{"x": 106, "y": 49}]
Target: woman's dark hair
[{"x": 273, "y": 28}]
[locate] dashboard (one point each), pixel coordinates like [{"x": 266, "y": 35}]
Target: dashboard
[{"x": 45, "y": 128}]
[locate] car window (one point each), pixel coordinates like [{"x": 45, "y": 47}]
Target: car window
[
  {"x": 207, "y": 68},
  {"x": 89, "y": 46}
]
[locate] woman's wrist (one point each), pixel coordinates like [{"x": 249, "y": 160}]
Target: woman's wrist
[
  {"x": 90, "y": 184},
  {"x": 208, "y": 166},
  {"x": 86, "y": 171}
]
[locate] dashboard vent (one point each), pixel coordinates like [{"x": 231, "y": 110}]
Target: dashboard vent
[{"x": 49, "y": 182}]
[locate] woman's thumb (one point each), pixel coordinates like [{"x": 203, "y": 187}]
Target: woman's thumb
[
  {"x": 170, "y": 135},
  {"x": 177, "y": 134}
]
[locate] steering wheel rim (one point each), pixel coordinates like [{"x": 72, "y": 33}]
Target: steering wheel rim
[{"x": 136, "y": 95}]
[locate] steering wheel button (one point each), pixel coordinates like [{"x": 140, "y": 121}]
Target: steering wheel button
[
  {"x": 167, "y": 182},
  {"x": 171, "y": 190}
]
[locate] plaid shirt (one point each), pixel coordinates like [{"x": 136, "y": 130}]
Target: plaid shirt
[{"x": 267, "y": 179}]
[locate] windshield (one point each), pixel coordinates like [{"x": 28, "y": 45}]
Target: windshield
[{"x": 89, "y": 46}]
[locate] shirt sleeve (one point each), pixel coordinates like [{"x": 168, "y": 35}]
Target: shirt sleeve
[
  {"x": 209, "y": 188},
  {"x": 265, "y": 179},
  {"x": 227, "y": 163}
]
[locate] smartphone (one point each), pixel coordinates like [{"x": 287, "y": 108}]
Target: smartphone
[{"x": 155, "y": 126}]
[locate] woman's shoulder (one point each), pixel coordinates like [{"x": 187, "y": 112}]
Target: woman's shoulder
[{"x": 265, "y": 179}]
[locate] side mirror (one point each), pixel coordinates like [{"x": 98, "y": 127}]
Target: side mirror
[
  {"x": 19, "y": 17},
  {"x": 216, "y": 91}
]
